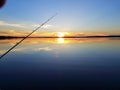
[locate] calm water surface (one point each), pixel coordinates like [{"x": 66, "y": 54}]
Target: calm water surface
[{"x": 60, "y": 64}]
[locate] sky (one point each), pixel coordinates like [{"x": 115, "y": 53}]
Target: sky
[{"x": 78, "y": 17}]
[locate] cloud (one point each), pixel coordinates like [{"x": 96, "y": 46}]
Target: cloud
[
  {"x": 12, "y": 33},
  {"x": 23, "y": 33},
  {"x": 46, "y": 26},
  {"x": 43, "y": 34},
  {"x": 3, "y": 23},
  {"x": 87, "y": 34}
]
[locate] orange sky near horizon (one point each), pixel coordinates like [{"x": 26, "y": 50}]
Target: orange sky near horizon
[{"x": 49, "y": 34}]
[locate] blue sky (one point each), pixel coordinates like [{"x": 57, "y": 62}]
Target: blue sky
[{"x": 94, "y": 16}]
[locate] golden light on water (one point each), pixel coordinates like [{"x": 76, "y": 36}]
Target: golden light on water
[
  {"x": 7, "y": 43},
  {"x": 60, "y": 40},
  {"x": 51, "y": 40}
]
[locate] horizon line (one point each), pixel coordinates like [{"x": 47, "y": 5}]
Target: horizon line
[{"x": 93, "y": 36}]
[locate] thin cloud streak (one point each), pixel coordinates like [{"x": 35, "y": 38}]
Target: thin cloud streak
[
  {"x": 3, "y": 23},
  {"x": 44, "y": 27},
  {"x": 30, "y": 26}
]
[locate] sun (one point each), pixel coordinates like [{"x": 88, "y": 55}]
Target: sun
[{"x": 61, "y": 34}]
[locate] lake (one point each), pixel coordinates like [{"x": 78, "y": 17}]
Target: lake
[{"x": 60, "y": 64}]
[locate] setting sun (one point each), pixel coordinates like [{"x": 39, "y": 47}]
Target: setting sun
[{"x": 61, "y": 34}]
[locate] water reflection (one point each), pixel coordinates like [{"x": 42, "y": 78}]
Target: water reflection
[
  {"x": 60, "y": 63},
  {"x": 52, "y": 40},
  {"x": 61, "y": 40},
  {"x": 52, "y": 44},
  {"x": 7, "y": 43}
]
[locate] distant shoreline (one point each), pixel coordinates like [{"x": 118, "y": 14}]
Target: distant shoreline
[{"x": 110, "y": 36}]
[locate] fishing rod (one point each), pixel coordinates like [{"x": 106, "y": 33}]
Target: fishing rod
[{"x": 27, "y": 36}]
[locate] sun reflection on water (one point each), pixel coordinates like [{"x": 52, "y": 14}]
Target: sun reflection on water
[
  {"x": 60, "y": 40},
  {"x": 31, "y": 44}
]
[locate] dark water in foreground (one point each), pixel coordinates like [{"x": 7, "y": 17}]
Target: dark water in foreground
[{"x": 61, "y": 64}]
